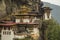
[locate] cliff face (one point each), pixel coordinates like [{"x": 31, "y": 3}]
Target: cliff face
[
  {"x": 5, "y": 8},
  {"x": 9, "y": 6},
  {"x": 2, "y": 9}
]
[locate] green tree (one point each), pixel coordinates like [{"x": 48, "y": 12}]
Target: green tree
[{"x": 52, "y": 30}]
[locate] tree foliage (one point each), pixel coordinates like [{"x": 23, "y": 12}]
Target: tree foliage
[{"x": 53, "y": 30}]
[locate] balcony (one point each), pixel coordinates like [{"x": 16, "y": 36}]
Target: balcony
[{"x": 28, "y": 21}]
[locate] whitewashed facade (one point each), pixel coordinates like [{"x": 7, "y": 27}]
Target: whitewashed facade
[
  {"x": 46, "y": 16},
  {"x": 7, "y": 35}
]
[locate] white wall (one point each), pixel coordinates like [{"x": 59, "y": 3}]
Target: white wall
[
  {"x": 34, "y": 19},
  {"x": 7, "y": 35},
  {"x": 46, "y": 17},
  {"x": 26, "y": 20},
  {"x": 17, "y": 20}
]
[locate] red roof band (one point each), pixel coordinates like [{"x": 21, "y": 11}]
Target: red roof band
[{"x": 11, "y": 24}]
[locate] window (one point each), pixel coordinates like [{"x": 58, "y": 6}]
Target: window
[
  {"x": 9, "y": 33},
  {"x": 4, "y": 32}
]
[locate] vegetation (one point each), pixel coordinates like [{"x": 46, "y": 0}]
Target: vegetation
[{"x": 52, "y": 30}]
